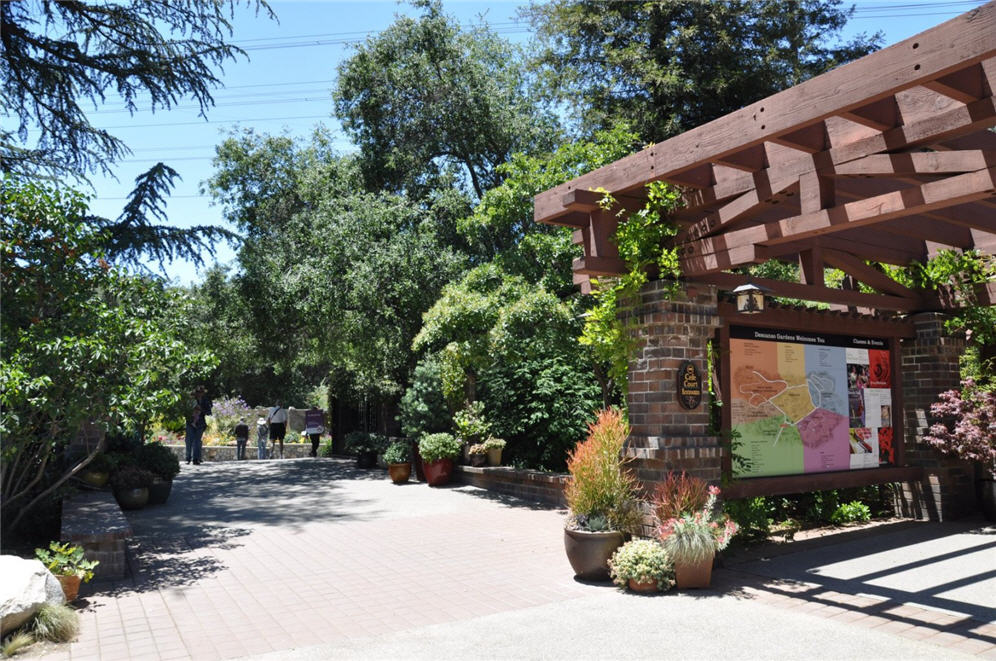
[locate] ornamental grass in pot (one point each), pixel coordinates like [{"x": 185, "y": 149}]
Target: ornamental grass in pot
[
  {"x": 438, "y": 452},
  {"x": 399, "y": 467},
  {"x": 692, "y": 539},
  {"x": 69, "y": 564},
  {"x": 601, "y": 497},
  {"x": 642, "y": 565}
]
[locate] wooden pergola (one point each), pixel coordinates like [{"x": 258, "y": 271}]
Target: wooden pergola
[{"x": 889, "y": 159}]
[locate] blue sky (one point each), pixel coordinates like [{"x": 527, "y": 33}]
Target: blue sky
[{"x": 285, "y": 87}]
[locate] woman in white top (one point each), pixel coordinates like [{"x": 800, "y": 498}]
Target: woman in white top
[{"x": 278, "y": 426}]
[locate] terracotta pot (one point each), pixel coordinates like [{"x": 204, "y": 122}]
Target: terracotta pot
[
  {"x": 70, "y": 586},
  {"x": 589, "y": 552},
  {"x": 494, "y": 457},
  {"x": 987, "y": 497},
  {"x": 95, "y": 478},
  {"x": 132, "y": 499},
  {"x": 399, "y": 472},
  {"x": 637, "y": 586},
  {"x": 159, "y": 492},
  {"x": 437, "y": 473},
  {"x": 478, "y": 460},
  {"x": 693, "y": 574}
]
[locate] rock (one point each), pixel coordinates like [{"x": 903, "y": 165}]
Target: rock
[{"x": 24, "y": 586}]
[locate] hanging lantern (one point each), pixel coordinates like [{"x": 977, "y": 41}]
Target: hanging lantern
[{"x": 750, "y": 298}]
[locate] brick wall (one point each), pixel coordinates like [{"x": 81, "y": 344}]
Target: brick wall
[
  {"x": 930, "y": 366},
  {"x": 664, "y": 435},
  {"x": 537, "y": 486}
]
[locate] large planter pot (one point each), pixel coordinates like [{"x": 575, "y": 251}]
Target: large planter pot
[
  {"x": 589, "y": 552},
  {"x": 494, "y": 457},
  {"x": 95, "y": 478},
  {"x": 159, "y": 492},
  {"x": 437, "y": 473},
  {"x": 987, "y": 496},
  {"x": 70, "y": 586},
  {"x": 419, "y": 464},
  {"x": 366, "y": 459},
  {"x": 690, "y": 575},
  {"x": 132, "y": 499},
  {"x": 399, "y": 472},
  {"x": 636, "y": 586}
]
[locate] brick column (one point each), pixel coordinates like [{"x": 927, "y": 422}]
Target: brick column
[
  {"x": 665, "y": 436},
  {"x": 929, "y": 367}
]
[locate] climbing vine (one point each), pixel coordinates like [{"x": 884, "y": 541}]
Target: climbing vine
[{"x": 642, "y": 242}]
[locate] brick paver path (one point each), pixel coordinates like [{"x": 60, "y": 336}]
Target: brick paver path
[{"x": 267, "y": 557}]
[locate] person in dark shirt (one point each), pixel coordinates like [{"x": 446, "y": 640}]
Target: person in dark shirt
[{"x": 241, "y": 439}]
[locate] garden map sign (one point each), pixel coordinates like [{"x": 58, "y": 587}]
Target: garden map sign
[{"x": 809, "y": 402}]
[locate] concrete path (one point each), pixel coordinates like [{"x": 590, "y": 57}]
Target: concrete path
[{"x": 312, "y": 559}]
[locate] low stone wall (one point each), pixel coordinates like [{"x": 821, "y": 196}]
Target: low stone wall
[
  {"x": 227, "y": 452},
  {"x": 94, "y": 521},
  {"x": 533, "y": 485}
]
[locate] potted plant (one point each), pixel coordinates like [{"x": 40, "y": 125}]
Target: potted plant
[
  {"x": 98, "y": 471},
  {"x": 399, "y": 468},
  {"x": 692, "y": 540},
  {"x": 438, "y": 452},
  {"x": 69, "y": 565},
  {"x": 642, "y": 565},
  {"x": 363, "y": 446},
  {"x": 494, "y": 446},
  {"x": 600, "y": 496},
  {"x": 131, "y": 487},
  {"x": 470, "y": 426},
  {"x": 478, "y": 454},
  {"x": 967, "y": 430},
  {"x": 164, "y": 466}
]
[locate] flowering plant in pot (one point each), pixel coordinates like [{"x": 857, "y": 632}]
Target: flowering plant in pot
[
  {"x": 399, "y": 467},
  {"x": 642, "y": 565},
  {"x": 69, "y": 564},
  {"x": 967, "y": 430},
  {"x": 438, "y": 452},
  {"x": 478, "y": 454},
  {"x": 494, "y": 447},
  {"x": 692, "y": 540},
  {"x": 601, "y": 497}
]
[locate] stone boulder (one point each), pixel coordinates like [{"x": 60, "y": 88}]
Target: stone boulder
[{"x": 24, "y": 586}]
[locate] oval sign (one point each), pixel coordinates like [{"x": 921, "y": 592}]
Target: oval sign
[{"x": 689, "y": 385}]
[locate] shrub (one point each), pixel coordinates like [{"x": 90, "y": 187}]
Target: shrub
[
  {"x": 55, "y": 622},
  {"x": 158, "y": 460},
  {"x": 397, "y": 453},
  {"x": 434, "y": 447},
  {"x": 469, "y": 422},
  {"x": 752, "y": 516},
  {"x": 131, "y": 477},
  {"x": 326, "y": 449},
  {"x": 225, "y": 414},
  {"x": 968, "y": 427},
  {"x": 601, "y": 492},
  {"x": 642, "y": 560},
  {"x": 67, "y": 560},
  {"x": 423, "y": 408},
  {"x": 851, "y": 512},
  {"x": 101, "y": 463},
  {"x": 677, "y": 494}
]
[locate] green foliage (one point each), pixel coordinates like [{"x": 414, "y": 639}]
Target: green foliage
[
  {"x": 424, "y": 99},
  {"x": 57, "y": 623},
  {"x": 641, "y": 241},
  {"x": 433, "y": 447},
  {"x": 643, "y": 561},
  {"x": 478, "y": 449},
  {"x": 667, "y": 66},
  {"x": 158, "y": 460},
  {"x": 398, "y": 452},
  {"x": 326, "y": 449},
  {"x": 469, "y": 422},
  {"x": 752, "y": 516},
  {"x": 358, "y": 441},
  {"x": 81, "y": 342},
  {"x": 493, "y": 443},
  {"x": 131, "y": 477},
  {"x": 600, "y": 487},
  {"x": 852, "y": 512},
  {"x": 67, "y": 559},
  {"x": 423, "y": 408}
]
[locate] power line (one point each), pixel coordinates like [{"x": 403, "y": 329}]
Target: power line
[{"x": 215, "y": 121}]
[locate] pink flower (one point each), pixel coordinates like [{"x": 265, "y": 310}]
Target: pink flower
[{"x": 713, "y": 490}]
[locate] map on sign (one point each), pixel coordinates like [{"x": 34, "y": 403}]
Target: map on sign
[{"x": 809, "y": 403}]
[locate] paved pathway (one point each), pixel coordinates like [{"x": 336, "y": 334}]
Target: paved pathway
[{"x": 311, "y": 559}]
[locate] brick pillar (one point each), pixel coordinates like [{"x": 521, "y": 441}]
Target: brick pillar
[
  {"x": 929, "y": 367},
  {"x": 665, "y": 436}
]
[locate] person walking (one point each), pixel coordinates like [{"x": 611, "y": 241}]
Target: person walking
[
  {"x": 262, "y": 437},
  {"x": 241, "y": 439},
  {"x": 196, "y": 424},
  {"x": 277, "y": 419},
  {"x": 314, "y": 427}
]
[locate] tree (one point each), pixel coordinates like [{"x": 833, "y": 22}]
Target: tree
[
  {"x": 425, "y": 101},
  {"x": 82, "y": 342},
  {"x": 667, "y": 66}
]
